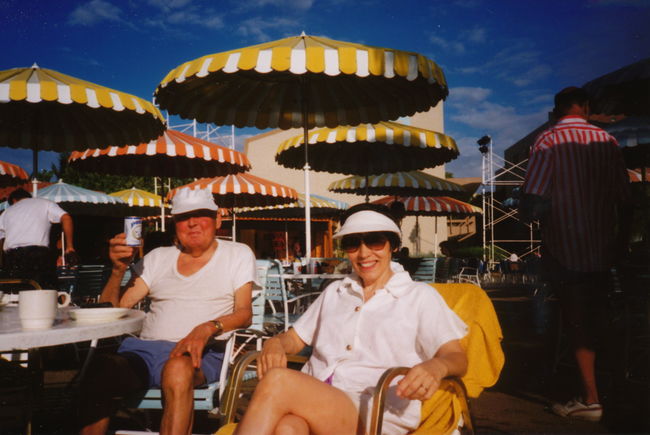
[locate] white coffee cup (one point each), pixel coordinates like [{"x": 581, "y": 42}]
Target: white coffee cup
[{"x": 37, "y": 308}]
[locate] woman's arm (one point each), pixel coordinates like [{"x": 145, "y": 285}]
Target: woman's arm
[
  {"x": 424, "y": 379},
  {"x": 275, "y": 350}
]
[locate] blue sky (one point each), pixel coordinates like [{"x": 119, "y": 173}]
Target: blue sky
[{"x": 503, "y": 59}]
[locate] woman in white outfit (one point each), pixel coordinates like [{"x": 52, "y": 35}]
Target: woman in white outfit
[{"x": 374, "y": 319}]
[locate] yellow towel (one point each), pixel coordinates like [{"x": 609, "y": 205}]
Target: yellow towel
[{"x": 440, "y": 414}]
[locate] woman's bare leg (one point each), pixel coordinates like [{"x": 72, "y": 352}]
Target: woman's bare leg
[
  {"x": 292, "y": 425},
  {"x": 325, "y": 409}
]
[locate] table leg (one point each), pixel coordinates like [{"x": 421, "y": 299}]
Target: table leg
[{"x": 35, "y": 370}]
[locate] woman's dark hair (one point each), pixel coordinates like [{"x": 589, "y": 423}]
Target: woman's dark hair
[
  {"x": 17, "y": 195},
  {"x": 393, "y": 238}
]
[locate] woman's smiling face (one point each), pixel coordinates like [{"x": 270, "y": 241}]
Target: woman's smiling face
[{"x": 371, "y": 263}]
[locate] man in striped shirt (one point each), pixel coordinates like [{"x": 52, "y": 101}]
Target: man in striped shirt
[{"x": 578, "y": 169}]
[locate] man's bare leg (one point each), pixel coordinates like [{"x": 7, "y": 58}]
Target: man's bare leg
[
  {"x": 586, "y": 360},
  {"x": 282, "y": 392},
  {"x": 97, "y": 428},
  {"x": 178, "y": 380}
]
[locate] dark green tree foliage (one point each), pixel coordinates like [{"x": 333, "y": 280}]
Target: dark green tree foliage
[{"x": 102, "y": 182}]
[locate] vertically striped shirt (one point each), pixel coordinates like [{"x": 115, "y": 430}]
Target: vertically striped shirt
[{"x": 580, "y": 168}]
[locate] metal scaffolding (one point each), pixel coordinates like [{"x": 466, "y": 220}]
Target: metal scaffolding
[
  {"x": 207, "y": 132},
  {"x": 497, "y": 172}
]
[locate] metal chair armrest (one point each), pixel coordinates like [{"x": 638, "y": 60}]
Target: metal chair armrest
[
  {"x": 236, "y": 379},
  {"x": 31, "y": 282},
  {"x": 381, "y": 390}
]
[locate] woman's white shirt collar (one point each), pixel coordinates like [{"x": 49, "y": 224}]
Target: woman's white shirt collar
[{"x": 398, "y": 284}]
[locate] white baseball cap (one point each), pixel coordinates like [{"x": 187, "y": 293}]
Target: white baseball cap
[
  {"x": 366, "y": 221},
  {"x": 186, "y": 200}
]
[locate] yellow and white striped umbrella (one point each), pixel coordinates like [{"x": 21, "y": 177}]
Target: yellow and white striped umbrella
[
  {"x": 303, "y": 82},
  {"x": 320, "y": 205},
  {"x": 138, "y": 198},
  {"x": 43, "y": 109},
  {"x": 400, "y": 183},
  {"x": 271, "y": 84},
  {"x": 141, "y": 202},
  {"x": 369, "y": 149}
]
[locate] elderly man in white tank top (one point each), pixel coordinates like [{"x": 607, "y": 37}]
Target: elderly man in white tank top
[{"x": 198, "y": 291}]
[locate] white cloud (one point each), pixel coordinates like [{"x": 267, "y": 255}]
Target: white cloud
[
  {"x": 286, "y": 5},
  {"x": 455, "y": 46},
  {"x": 520, "y": 63},
  {"x": 169, "y": 4},
  {"x": 258, "y": 27},
  {"x": 632, "y": 3},
  {"x": 476, "y": 35},
  {"x": 461, "y": 96},
  {"x": 468, "y": 163},
  {"x": 205, "y": 18},
  {"x": 533, "y": 75},
  {"x": 93, "y": 12}
]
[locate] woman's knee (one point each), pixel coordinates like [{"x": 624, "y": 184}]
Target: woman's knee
[
  {"x": 276, "y": 377},
  {"x": 291, "y": 425}
]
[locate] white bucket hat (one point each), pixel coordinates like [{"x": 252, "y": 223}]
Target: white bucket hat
[
  {"x": 187, "y": 200},
  {"x": 366, "y": 221}
]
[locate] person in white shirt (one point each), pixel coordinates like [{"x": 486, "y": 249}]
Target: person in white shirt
[
  {"x": 198, "y": 291},
  {"x": 25, "y": 233},
  {"x": 374, "y": 319}
]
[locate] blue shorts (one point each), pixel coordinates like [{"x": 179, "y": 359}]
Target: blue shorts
[{"x": 155, "y": 353}]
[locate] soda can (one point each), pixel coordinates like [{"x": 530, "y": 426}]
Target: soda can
[{"x": 133, "y": 230}]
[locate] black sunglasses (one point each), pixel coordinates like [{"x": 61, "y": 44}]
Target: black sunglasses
[{"x": 375, "y": 241}]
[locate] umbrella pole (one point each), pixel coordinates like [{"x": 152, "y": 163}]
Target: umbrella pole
[
  {"x": 435, "y": 236},
  {"x": 34, "y": 173},
  {"x": 286, "y": 242},
  {"x": 305, "y": 124},
  {"x": 417, "y": 234},
  {"x": 234, "y": 225},
  {"x": 368, "y": 190}
]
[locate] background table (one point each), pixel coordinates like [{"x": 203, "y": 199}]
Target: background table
[{"x": 64, "y": 331}]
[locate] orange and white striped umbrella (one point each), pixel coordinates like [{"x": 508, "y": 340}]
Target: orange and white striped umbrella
[
  {"x": 11, "y": 174},
  {"x": 431, "y": 205},
  {"x": 45, "y": 110},
  {"x": 173, "y": 154},
  {"x": 243, "y": 190}
]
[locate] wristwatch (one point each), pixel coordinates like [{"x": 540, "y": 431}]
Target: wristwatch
[{"x": 217, "y": 324}]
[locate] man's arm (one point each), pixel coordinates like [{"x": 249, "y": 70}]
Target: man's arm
[
  {"x": 241, "y": 317},
  {"x": 121, "y": 255},
  {"x": 424, "y": 379},
  {"x": 68, "y": 232}
]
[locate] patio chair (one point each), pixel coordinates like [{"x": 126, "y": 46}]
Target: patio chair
[
  {"x": 207, "y": 398},
  {"x": 442, "y": 412},
  {"x": 468, "y": 274},
  {"x": 426, "y": 271},
  {"x": 91, "y": 279},
  {"x": 285, "y": 306}
]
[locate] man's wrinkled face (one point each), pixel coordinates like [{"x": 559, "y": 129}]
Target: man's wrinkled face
[{"x": 196, "y": 229}]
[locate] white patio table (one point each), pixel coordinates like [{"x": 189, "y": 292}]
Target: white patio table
[{"x": 64, "y": 331}]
